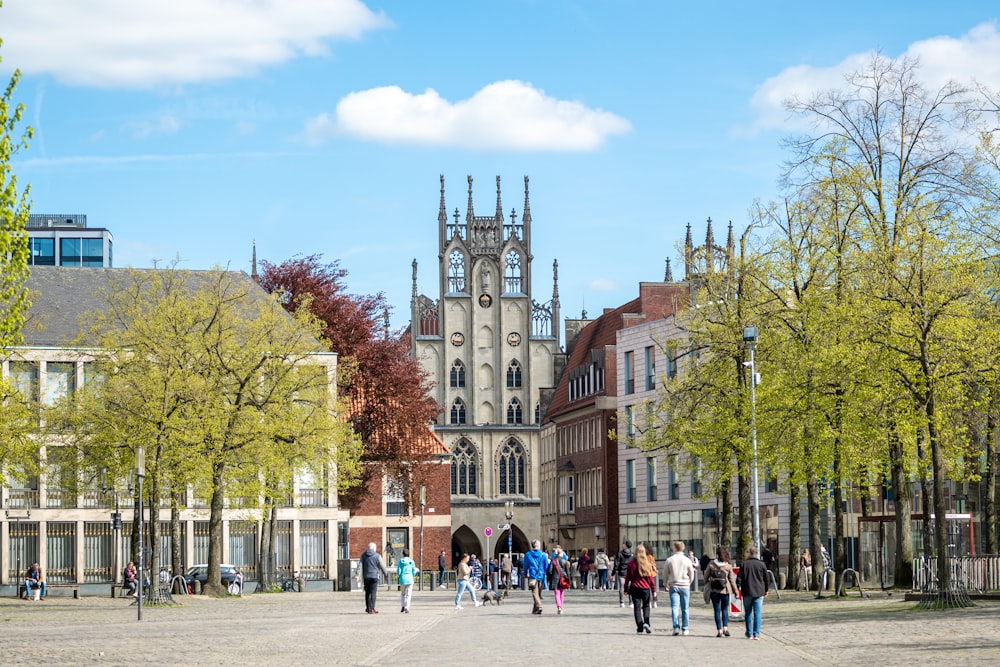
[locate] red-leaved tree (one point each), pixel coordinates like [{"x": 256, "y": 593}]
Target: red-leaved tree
[{"x": 388, "y": 391}]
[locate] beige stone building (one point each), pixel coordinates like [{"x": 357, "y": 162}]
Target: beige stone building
[{"x": 493, "y": 352}]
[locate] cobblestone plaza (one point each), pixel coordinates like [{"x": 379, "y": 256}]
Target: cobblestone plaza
[{"x": 332, "y": 629}]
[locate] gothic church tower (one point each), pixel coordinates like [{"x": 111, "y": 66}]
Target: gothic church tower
[{"x": 493, "y": 352}]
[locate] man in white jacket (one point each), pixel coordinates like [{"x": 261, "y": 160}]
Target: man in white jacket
[{"x": 679, "y": 574}]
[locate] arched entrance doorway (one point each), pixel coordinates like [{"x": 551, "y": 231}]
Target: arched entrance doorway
[
  {"x": 520, "y": 542},
  {"x": 464, "y": 541}
]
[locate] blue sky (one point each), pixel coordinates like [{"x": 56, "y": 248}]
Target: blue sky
[{"x": 191, "y": 127}]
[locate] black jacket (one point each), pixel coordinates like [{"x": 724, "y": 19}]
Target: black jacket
[
  {"x": 752, "y": 578},
  {"x": 621, "y": 561}
]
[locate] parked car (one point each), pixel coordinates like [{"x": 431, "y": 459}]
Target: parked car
[{"x": 200, "y": 573}]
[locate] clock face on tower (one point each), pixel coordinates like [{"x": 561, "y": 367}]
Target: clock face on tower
[
  {"x": 457, "y": 339},
  {"x": 514, "y": 339},
  {"x": 485, "y": 300}
]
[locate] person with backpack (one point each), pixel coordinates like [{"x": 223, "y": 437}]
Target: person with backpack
[
  {"x": 622, "y": 559},
  {"x": 721, "y": 584}
]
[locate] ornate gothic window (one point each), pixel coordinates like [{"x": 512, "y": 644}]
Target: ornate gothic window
[
  {"x": 513, "y": 466},
  {"x": 456, "y": 272},
  {"x": 514, "y": 412},
  {"x": 513, "y": 275},
  {"x": 457, "y": 374},
  {"x": 458, "y": 412},
  {"x": 463, "y": 469},
  {"x": 514, "y": 375}
]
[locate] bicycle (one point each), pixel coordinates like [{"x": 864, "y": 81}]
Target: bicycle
[
  {"x": 287, "y": 583},
  {"x": 236, "y": 585},
  {"x": 475, "y": 583}
]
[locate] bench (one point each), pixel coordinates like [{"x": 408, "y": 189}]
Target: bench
[
  {"x": 120, "y": 591},
  {"x": 48, "y": 587}
]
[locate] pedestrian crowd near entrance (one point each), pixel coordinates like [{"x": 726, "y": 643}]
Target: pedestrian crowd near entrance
[{"x": 730, "y": 586}]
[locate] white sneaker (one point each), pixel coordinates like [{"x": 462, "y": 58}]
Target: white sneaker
[
  {"x": 479, "y": 604},
  {"x": 622, "y": 605},
  {"x": 442, "y": 586},
  {"x": 685, "y": 633},
  {"x": 654, "y": 605},
  {"x": 459, "y": 607},
  {"x": 676, "y": 632}
]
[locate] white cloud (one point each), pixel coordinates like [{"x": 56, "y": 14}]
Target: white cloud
[
  {"x": 506, "y": 115},
  {"x": 130, "y": 43},
  {"x": 971, "y": 58},
  {"x": 166, "y": 124}
]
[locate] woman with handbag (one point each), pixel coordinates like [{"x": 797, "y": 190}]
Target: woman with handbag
[
  {"x": 558, "y": 576},
  {"x": 640, "y": 582}
]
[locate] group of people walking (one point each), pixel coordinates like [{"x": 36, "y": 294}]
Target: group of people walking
[
  {"x": 722, "y": 585},
  {"x": 636, "y": 577}
]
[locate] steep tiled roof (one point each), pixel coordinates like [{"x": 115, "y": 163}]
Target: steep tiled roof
[{"x": 655, "y": 301}]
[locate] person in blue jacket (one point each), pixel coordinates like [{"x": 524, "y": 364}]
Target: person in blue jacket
[
  {"x": 406, "y": 570},
  {"x": 536, "y": 564}
]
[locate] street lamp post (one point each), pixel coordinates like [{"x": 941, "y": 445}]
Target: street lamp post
[
  {"x": 140, "y": 473},
  {"x": 423, "y": 501},
  {"x": 509, "y": 515},
  {"x": 750, "y": 340}
]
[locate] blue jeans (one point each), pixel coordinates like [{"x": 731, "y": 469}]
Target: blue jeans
[
  {"x": 680, "y": 603},
  {"x": 751, "y": 612},
  {"x": 720, "y": 603},
  {"x": 29, "y": 586},
  {"x": 463, "y": 585}
]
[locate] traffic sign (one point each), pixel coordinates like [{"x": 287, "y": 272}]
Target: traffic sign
[{"x": 488, "y": 531}]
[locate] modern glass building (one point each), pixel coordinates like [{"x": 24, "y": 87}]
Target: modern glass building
[{"x": 65, "y": 240}]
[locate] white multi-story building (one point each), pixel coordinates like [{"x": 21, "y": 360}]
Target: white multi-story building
[{"x": 67, "y": 528}]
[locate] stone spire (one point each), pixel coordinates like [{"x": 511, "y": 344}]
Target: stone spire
[
  {"x": 555, "y": 300},
  {"x": 526, "y": 219},
  {"x": 470, "y": 213},
  {"x": 668, "y": 276},
  {"x": 253, "y": 261},
  {"x": 709, "y": 248},
  {"x": 688, "y": 254},
  {"x": 499, "y": 205}
]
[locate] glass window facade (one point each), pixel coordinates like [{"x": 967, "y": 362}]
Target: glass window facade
[{"x": 42, "y": 252}]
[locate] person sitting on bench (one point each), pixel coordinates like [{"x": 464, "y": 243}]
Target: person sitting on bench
[
  {"x": 129, "y": 580},
  {"x": 34, "y": 580}
]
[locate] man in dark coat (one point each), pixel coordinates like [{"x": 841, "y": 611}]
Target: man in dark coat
[
  {"x": 752, "y": 581},
  {"x": 371, "y": 566},
  {"x": 621, "y": 562}
]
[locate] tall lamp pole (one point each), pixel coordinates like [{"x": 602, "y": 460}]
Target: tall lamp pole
[
  {"x": 423, "y": 501},
  {"x": 509, "y": 515},
  {"x": 750, "y": 340},
  {"x": 140, "y": 473}
]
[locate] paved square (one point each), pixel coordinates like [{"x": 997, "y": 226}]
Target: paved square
[{"x": 332, "y": 629}]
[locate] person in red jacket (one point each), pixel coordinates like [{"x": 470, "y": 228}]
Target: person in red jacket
[
  {"x": 640, "y": 581},
  {"x": 583, "y": 564}
]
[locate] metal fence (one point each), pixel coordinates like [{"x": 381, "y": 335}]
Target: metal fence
[{"x": 976, "y": 573}]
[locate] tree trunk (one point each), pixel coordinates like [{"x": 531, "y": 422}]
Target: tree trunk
[
  {"x": 265, "y": 561},
  {"x": 815, "y": 537},
  {"x": 794, "y": 534},
  {"x": 176, "y": 553},
  {"x": 901, "y": 500},
  {"x": 746, "y": 508},
  {"x": 213, "y": 584},
  {"x": 839, "y": 533},
  {"x": 153, "y": 547},
  {"x": 726, "y": 515},
  {"x": 940, "y": 503},
  {"x": 988, "y": 483}
]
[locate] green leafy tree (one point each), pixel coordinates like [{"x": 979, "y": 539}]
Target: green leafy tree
[
  {"x": 218, "y": 384},
  {"x": 915, "y": 187},
  {"x": 15, "y": 415}
]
